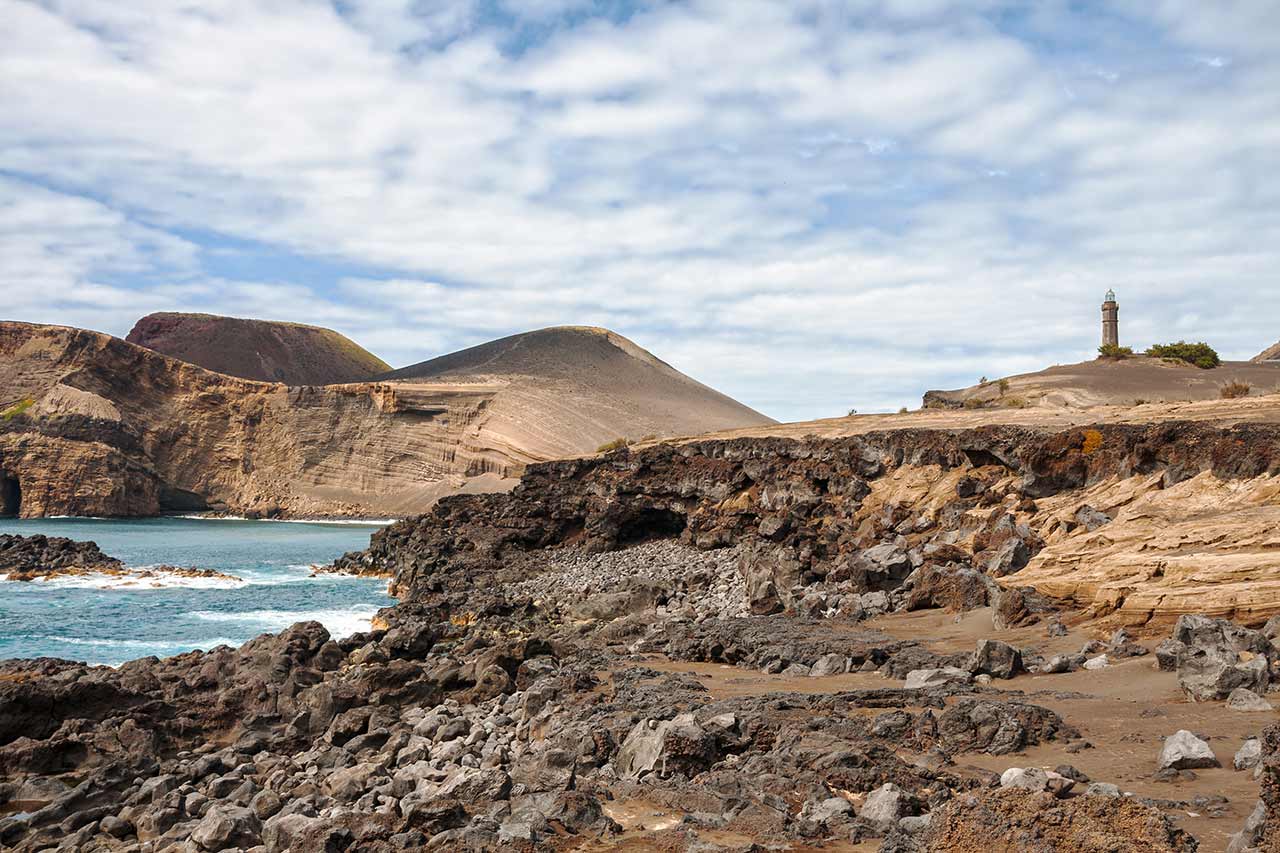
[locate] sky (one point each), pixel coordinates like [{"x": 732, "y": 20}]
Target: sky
[{"x": 812, "y": 205}]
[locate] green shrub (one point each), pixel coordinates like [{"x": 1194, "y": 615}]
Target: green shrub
[
  {"x": 616, "y": 444},
  {"x": 1114, "y": 351},
  {"x": 1004, "y": 386},
  {"x": 1200, "y": 354},
  {"x": 16, "y": 409},
  {"x": 975, "y": 403},
  {"x": 903, "y": 410},
  {"x": 1014, "y": 403},
  {"x": 1234, "y": 390}
]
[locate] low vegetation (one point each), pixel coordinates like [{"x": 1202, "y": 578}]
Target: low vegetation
[
  {"x": 616, "y": 444},
  {"x": 1114, "y": 351},
  {"x": 1234, "y": 390},
  {"x": 1200, "y": 354},
  {"x": 16, "y": 409}
]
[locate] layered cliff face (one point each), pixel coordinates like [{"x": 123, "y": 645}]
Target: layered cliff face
[
  {"x": 98, "y": 426},
  {"x": 263, "y": 350},
  {"x": 1142, "y": 522}
]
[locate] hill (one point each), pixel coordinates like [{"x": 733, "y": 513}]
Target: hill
[
  {"x": 568, "y": 389},
  {"x": 1108, "y": 382},
  {"x": 95, "y": 425},
  {"x": 1271, "y": 353},
  {"x": 264, "y": 350}
]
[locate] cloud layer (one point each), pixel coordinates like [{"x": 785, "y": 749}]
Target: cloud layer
[{"x": 811, "y": 205}]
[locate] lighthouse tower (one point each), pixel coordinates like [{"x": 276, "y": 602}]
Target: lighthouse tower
[{"x": 1110, "y": 320}]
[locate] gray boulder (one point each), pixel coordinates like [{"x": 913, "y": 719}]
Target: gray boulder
[
  {"x": 1207, "y": 674},
  {"x": 1027, "y": 778},
  {"x": 227, "y": 826},
  {"x": 1167, "y": 654},
  {"x": 919, "y": 679},
  {"x": 884, "y": 806},
  {"x": 1102, "y": 789},
  {"x": 1214, "y": 657},
  {"x": 997, "y": 659},
  {"x": 1249, "y": 755},
  {"x": 1184, "y": 751},
  {"x": 831, "y": 664},
  {"x": 1250, "y": 837},
  {"x": 1243, "y": 699},
  {"x": 678, "y": 745}
]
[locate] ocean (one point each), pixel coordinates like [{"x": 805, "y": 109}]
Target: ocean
[{"x": 104, "y": 621}]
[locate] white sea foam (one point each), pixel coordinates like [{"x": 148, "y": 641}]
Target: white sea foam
[
  {"x": 157, "y": 647},
  {"x": 341, "y": 622},
  {"x": 157, "y": 579},
  {"x": 369, "y": 522}
]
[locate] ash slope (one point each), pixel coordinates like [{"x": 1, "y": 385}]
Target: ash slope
[
  {"x": 568, "y": 381},
  {"x": 262, "y": 350}
]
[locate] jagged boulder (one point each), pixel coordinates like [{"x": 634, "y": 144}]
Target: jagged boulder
[
  {"x": 1213, "y": 657},
  {"x": 678, "y": 745},
  {"x": 997, "y": 659},
  {"x": 998, "y": 728},
  {"x": 1184, "y": 751}
]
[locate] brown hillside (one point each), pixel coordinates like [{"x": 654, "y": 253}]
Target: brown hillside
[
  {"x": 1109, "y": 382},
  {"x": 567, "y": 389},
  {"x": 1271, "y": 353},
  {"x": 264, "y": 350}
]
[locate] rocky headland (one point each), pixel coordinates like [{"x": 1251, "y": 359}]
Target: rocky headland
[{"x": 997, "y": 638}]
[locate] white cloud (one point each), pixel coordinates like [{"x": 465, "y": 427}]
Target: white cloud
[{"x": 797, "y": 202}]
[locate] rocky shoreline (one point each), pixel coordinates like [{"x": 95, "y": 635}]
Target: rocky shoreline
[
  {"x": 712, "y": 646},
  {"x": 46, "y": 558}
]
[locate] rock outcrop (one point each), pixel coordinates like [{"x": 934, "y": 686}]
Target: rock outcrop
[
  {"x": 882, "y": 521},
  {"x": 263, "y": 350},
  {"x": 26, "y": 556},
  {"x": 1020, "y": 821},
  {"x": 94, "y": 425}
]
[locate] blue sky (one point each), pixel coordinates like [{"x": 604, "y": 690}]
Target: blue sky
[{"x": 810, "y": 205}]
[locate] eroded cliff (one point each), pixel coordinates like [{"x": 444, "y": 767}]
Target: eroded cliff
[
  {"x": 1142, "y": 521},
  {"x": 97, "y": 426}
]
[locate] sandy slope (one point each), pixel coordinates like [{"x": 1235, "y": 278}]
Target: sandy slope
[
  {"x": 569, "y": 389},
  {"x": 1109, "y": 382},
  {"x": 265, "y": 350}
]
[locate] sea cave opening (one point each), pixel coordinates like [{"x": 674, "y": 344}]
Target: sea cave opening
[{"x": 10, "y": 496}]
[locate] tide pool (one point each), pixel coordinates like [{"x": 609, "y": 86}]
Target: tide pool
[{"x": 101, "y": 621}]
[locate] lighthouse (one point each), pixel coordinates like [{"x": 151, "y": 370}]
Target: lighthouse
[{"x": 1110, "y": 320}]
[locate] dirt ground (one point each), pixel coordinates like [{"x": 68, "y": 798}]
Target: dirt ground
[{"x": 1125, "y": 711}]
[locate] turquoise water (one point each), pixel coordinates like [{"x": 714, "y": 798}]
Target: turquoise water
[{"x": 102, "y": 621}]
